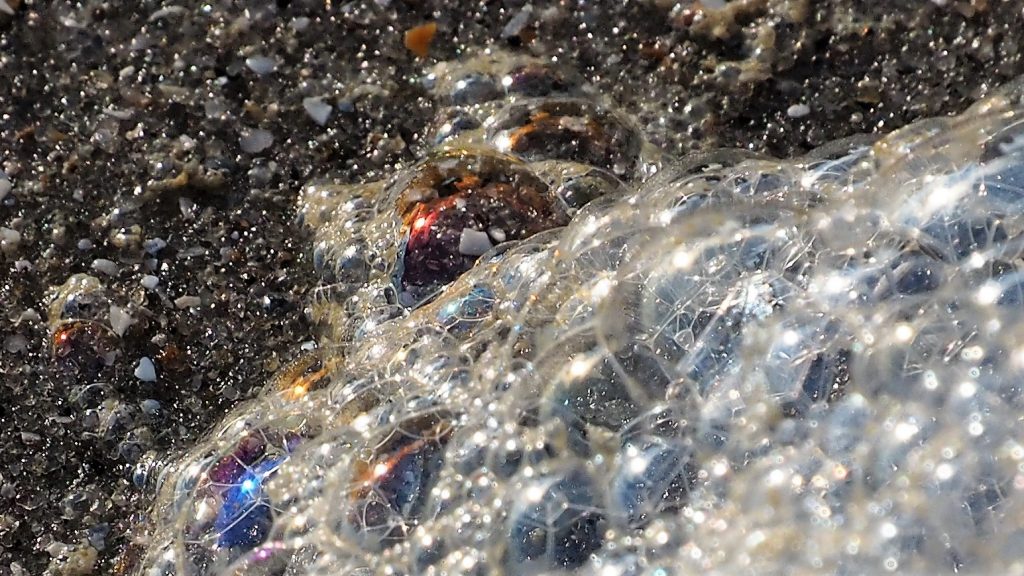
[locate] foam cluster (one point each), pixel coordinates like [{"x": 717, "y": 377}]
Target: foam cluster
[{"x": 549, "y": 350}]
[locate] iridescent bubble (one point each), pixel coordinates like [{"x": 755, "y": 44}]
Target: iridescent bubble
[
  {"x": 389, "y": 487},
  {"x": 455, "y": 208}
]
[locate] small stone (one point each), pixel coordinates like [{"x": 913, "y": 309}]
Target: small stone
[
  {"x": 149, "y": 281},
  {"x": 85, "y": 244},
  {"x": 798, "y": 110},
  {"x": 497, "y": 234},
  {"x": 57, "y": 549},
  {"x": 22, "y": 265},
  {"x": 31, "y": 438},
  {"x": 215, "y": 108},
  {"x": 317, "y": 109},
  {"x": 154, "y": 245},
  {"x": 120, "y": 320},
  {"x": 5, "y": 182},
  {"x": 419, "y": 38},
  {"x": 518, "y": 23},
  {"x": 188, "y": 302},
  {"x": 9, "y": 239},
  {"x": 118, "y": 113},
  {"x": 255, "y": 140},
  {"x": 98, "y": 536},
  {"x": 474, "y": 242},
  {"x": 261, "y": 65},
  {"x": 108, "y": 267},
  {"x": 15, "y": 343},
  {"x": 187, "y": 207},
  {"x": 150, "y": 407},
  {"x": 145, "y": 370},
  {"x": 166, "y": 13}
]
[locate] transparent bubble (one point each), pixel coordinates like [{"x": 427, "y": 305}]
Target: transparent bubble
[
  {"x": 566, "y": 129},
  {"x": 84, "y": 326},
  {"x": 589, "y": 359}
]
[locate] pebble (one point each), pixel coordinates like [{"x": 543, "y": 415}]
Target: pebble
[
  {"x": 154, "y": 245},
  {"x": 497, "y": 234},
  {"x": 9, "y": 239},
  {"x": 518, "y": 22},
  {"x": 187, "y": 207},
  {"x": 149, "y": 281},
  {"x": 167, "y": 12},
  {"x": 798, "y": 110},
  {"x": 108, "y": 267},
  {"x": 85, "y": 244},
  {"x": 145, "y": 370},
  {"x": 419, "y": 38},
  {"x": 120, "y": 320},
  {"x": 261, "y": 65},
  {"x": 255, "y": 140},
  {"x": 150, "y": 407},
  {"x": 31, "y": 438},
  {"x": 5, "y": 185},
  {"x": 317, "y": 109},
  {"x": 15, "y": 343},
  {"x": 188, "y": 302},
  {"x": 98, "y": 536},
  {"x": 473, "y": 242},
  {"x": 118, "y": 113}
]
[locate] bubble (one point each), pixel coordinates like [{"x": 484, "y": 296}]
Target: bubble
[
  {"x": 553, "y": 524},
  {"x": 457, "y": 207},
  {"x": 79, "y": 318},
  {"x": 475, "y": 88},
  {"x": 652, "y": 475},
  {"x": 567, "y": 129},
  {"x": 389, "y": 486},
  {"x": 451, "y": 122},
  {"x": 548, "y": 351},
  {"x": 534, "y": 79}
]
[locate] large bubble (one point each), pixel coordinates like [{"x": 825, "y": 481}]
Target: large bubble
[{"x": 573, "y": 356}]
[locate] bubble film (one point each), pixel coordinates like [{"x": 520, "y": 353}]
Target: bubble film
[{"x": 574, "y": 356}]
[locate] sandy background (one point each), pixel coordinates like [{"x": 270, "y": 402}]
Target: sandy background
[{"x": 128, "y": 136}]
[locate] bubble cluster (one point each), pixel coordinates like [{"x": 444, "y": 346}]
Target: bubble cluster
[{"x": 568, "y": 355}]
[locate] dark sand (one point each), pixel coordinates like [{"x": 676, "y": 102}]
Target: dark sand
[{"x": 120, "y": 122}]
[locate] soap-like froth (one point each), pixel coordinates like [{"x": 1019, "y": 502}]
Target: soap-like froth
[{"x": 731, "y": 365}]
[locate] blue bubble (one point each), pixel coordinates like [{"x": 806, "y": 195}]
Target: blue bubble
[
  {"x": 245, "y": 519},
  {"x": 651, "y": 475},
  {"x": 554, "y": 524}
]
